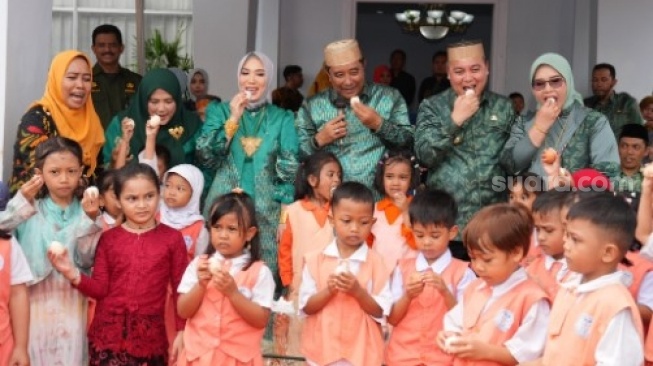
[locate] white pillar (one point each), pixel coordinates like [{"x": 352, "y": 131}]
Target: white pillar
[
  {"x": 267, "y": 35},
  {"x": 25, "y": 39}
]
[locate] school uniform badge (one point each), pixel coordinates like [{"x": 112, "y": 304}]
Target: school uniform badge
[
  {"x": 504, "y": 320},
  {"x": 583, "y": 325}
]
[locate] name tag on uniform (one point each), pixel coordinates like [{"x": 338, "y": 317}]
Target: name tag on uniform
[
  {"x": 494, "y": 118},
  {"x": 504, "y": 320},
  {"x": 583, "y": 325}
]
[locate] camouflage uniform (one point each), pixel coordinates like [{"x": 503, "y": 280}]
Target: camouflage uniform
[
  {"x": 361, "y": 149},
  {"x": 621, "y": 109},
  {"x": 464, "y": 160},
  {"x": 587, "y": 142}
]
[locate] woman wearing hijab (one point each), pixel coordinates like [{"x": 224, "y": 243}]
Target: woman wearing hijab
[
  {"x": 157, "y": 94},
  {"x": 581, "y": 136},
  {"x": 66, "y": 110},
  {"x": 251, "y": 144},
  {"x": 382, "y": 75}
]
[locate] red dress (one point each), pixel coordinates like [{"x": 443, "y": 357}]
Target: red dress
[{"x": 129, "y": 282}]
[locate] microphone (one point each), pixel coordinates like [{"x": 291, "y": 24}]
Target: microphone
[{"x": 340, "y": 103}]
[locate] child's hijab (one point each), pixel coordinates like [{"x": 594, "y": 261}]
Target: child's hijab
[{"x": 181, "y": 217}]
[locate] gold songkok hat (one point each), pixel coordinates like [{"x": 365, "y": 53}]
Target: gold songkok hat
[
  {"x": 462, "y": 50},
  {"x": 342, "y": 52}
]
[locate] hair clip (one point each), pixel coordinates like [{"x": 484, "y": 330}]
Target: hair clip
[{"x": 237, "y": 190}]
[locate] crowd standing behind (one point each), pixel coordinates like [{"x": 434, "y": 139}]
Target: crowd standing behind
[{"x": 199, "y": 230}]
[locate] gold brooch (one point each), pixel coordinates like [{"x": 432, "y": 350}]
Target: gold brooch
[{"x": 176, "y": 132}]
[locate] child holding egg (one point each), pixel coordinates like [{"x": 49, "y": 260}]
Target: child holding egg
[
  {"x": 231, "y": 283},
  {"x": 59, "y": 222},
  {"x": 345, "y": 284}
]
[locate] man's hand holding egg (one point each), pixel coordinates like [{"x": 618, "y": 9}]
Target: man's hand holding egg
[{"x": 365, "y": 114}]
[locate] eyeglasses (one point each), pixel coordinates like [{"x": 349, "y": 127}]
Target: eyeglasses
[{"x": 555, "y": 83}]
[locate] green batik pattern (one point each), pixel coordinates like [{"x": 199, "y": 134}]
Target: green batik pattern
[
  {"x": 625, "y": 183},
  {"x": 464, "y": 160},
  {"x": 621, "y": 109},
  {"x": 592, "y": 145},
  {"x": 267, "y": 176},
  {"x": 359, "y": 151}
]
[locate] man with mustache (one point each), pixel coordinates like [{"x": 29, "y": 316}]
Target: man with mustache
[
  {"x": 113, "y": 85},
  {"x": 355, "y": 120}
]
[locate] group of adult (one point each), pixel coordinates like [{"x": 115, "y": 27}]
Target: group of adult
[{"x": 465, "y": 136}]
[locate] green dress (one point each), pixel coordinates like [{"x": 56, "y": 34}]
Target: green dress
[
  {"x": 267, "y": 176},
  {"x": 359, "y": 151}
]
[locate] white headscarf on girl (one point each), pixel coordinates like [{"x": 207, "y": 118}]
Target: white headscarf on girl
[
  {"x": 204, "y": 74},
  {"x": 269, "y": 71},
  {"x": 181, "y": 217}
]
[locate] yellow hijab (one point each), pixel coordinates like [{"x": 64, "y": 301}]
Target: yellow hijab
[{"x": 81, "y": 125}]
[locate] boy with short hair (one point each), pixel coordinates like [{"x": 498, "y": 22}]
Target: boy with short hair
[
  {"x": 594, "y": 320},
  {"x": 550, "y": 269}
]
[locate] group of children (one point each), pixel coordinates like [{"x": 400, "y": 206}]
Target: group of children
[{"x": 551, "y": 281}]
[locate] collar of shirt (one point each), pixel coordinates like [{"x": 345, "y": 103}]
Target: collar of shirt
[
  {"x": 438, "y": 266},
  {"x": 593, "y": 285},
  {"x": 320, "y": 213},
  {"x": 236, "y": 263},
  {"x": 97, "y": 70},
  {"x": 363, "y": 96},
  {"x": 108, "y": 219},
  {"x": 549, "y": 260},
  {"x": 360, "y": 255},
  {"x": 515, "y": 279}
]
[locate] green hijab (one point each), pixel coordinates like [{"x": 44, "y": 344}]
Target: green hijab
[
  {"x": 561, "y": 65},
  {"x": 161, "y": 79}
]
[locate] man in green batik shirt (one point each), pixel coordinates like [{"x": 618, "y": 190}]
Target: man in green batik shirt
[
  {"x": 620, "y": 108},
  {"x": 460, "y": 134},
  {"x": 370, "y": 119},
  {"x": 113, "y": 85}
]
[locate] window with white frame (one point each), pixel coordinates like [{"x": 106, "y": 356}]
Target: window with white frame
[{"x": 73, "y": 22}]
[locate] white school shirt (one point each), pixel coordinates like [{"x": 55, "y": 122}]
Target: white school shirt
[
  {"x": 262, "y": 292},
  {"x": 620, "y": 344},
  {"x": 564, "y": 269},
  {"x": 20, "y": 272},
  {"x": 438, "y": 266},
  {"x": 308, "y": 288},
  {"x": 527, "y": 343}
]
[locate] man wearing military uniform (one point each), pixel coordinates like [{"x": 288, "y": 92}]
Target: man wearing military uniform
[
  {"x": 460, "y": 134},
  {"x": 620, "y": 108},
  {"x": 113, "y": 85}
]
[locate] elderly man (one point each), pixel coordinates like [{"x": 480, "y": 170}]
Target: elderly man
[
  {"x": 620, "y": 108},
  {"x": 461, "y": 132},
  {"x": 356, "y": 121}
]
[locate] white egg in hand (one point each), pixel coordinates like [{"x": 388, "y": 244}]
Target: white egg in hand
[
  {"x": 215, "y": 265},
  {"x": 130, "y": 123},
  {"x": 56, "y": 248},
  {"x": 469, "y": 92},
  {"x": 354, "y": 100},
  {"x": 93, "y": 192},
  {"x": 342, "y": 267},
  {"x": 154, "y": 120},
  {"x": 449, "y": 343},
  {"x": 248, "y": 94}
]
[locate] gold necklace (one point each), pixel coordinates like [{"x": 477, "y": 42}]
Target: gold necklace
[{"x": 250, "y": 142}]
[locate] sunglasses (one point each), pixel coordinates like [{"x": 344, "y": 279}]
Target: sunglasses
[{"x": 555, "y": 82}]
